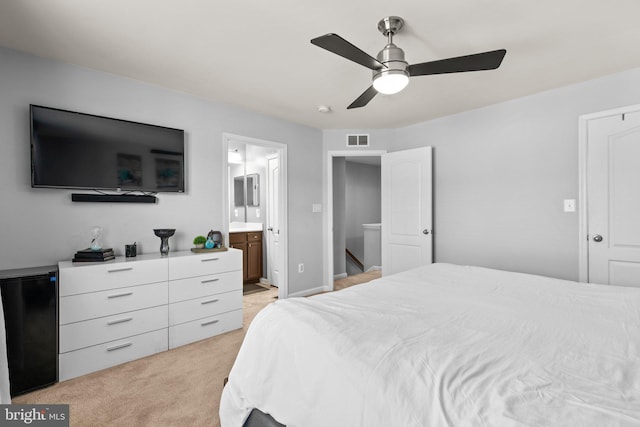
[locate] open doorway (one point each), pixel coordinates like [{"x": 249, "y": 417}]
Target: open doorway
[
  {"x": 353, "y": 214},
  {"x": 254, "y": 211}
]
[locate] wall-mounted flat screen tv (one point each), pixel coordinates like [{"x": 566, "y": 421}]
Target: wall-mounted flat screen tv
[{"x": 83, "y": 151}]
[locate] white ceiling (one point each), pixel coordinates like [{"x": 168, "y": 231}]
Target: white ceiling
[{"x": 256, "y": 54}]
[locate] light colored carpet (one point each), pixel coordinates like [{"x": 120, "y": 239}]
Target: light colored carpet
[
  {"x": 173, "y": 388},
  {"x": 356, "y": 279}
]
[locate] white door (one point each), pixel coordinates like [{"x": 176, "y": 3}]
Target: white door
[
  {"x": 406, "y": 210},
  {"x": 274, "y": 263},
  {"x": 613, "y": 199}
]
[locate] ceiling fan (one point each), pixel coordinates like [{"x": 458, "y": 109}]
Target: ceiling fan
[{"x": 391, "y": 72}]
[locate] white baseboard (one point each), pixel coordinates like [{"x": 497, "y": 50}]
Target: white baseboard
[
  {"x": 264, "y": 281},
  {"x": 374, "y": 268},
  {"x": 308, "y": 292},
  {"x": 339, "y": 276}
]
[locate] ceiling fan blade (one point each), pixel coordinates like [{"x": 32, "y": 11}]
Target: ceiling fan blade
[
  {"x": 364, "y": 99},
  {"x": 336, "y": 44},
  {"x": 476, "y": 62}
]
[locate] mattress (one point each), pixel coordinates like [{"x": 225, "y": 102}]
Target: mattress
[{"x": 444, "y": 345}]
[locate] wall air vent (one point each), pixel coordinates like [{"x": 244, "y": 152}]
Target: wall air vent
[{"x": 357, "y": 140}]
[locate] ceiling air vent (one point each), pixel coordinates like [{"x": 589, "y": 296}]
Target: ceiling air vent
[{"x": 358, "y": 140}]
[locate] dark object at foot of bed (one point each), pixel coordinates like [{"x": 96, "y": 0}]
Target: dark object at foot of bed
[{"x": 257, "y": 418}]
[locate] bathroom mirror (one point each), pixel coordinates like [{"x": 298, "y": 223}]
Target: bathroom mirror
[
  {"x": 253, "y": 189},
  {"x": 238, "y": 191},
  {"x": 249, "y": 193}
]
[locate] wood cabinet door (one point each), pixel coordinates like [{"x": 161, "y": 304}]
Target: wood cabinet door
[{"x": 254, "y": 261}]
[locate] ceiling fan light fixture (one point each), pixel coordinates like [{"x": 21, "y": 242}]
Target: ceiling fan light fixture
[
  {"x": 391, "y": 81},
  {"x": 391, "y": 71}
]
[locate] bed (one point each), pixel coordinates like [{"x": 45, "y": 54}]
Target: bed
[{"x": 443, "y": 345}]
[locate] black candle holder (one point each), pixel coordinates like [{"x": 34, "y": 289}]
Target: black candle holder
[{"x": 164, "y": 234}]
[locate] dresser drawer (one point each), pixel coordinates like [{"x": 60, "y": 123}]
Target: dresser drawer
[
  {"x": 90, "y": 359},
  {"x": 186, "y": 333},
  {"x": 199, "y": 308},
  {"x": 74, "y": 336},
  {"x": 194, "y": 287},
  {"x": 93, "y": 277},
  {"x": 81, "y": 307},
  {"x": 181, "y": 267}
]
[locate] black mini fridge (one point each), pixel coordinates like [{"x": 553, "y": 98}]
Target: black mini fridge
[{"x": 30, "y": 305}]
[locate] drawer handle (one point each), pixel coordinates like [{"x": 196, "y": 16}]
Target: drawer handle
[
  {"x": 210, "y": 322},
  {"x": 119, "y": 346},
  {"x": 115, "y": 322},
  {"x": 210, "y": 259},
  {"x": 209, "y": 301},
  {"x": 209, "y": 281},
  {"x": 115, "y": 270},
  {"x": 124, "y": 294}
]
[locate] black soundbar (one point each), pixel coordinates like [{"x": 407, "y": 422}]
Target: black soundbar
[{"x": 113, "y": 198}]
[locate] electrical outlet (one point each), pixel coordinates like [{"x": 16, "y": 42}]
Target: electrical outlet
[
  {"x": 300, "y": 268},
  {"x": 257, "y": 213}
]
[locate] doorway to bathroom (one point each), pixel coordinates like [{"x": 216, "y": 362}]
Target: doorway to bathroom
[{"x": 255, "y": 209}]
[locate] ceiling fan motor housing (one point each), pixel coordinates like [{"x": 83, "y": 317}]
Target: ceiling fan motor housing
[{"x": 393, "y": 57}]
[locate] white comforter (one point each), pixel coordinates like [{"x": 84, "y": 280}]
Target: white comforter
[{"x": 444, "y": 345}]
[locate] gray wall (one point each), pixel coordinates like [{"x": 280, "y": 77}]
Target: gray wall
[
  {"x": 356, "y": 201},
  {"x": 501, "y": 174},
  {"x": 362, "y": 196},
  {"x": 43, "y": 226},
  {"x": 339, "y": 216}
]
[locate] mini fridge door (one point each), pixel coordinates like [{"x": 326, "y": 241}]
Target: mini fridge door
[{"x": 30, "y": 313}]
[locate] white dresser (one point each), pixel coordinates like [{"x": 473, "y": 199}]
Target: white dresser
[
  {"x": 205, "y": 295},
  {"x": 121, "y": 310}
]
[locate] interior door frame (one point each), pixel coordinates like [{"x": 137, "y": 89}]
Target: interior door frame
[
  {"x": 268, "y": 216},
  {"x": 328, "y": 212},
  {"x": 283, "y": 289},
  {"x": 583, "y": 217}
]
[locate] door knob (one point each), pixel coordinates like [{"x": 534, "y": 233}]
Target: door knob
[
  {"x": 425, "y": 231},
  {"x": 270, "y": 229},
  {"x": 597, "y": 238}
]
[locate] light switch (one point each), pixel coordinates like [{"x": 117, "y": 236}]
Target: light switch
[
  {"x": 570, "y": 205},
  {"x": 257, "y": 213},
  {"x": 316, "y": 207}
]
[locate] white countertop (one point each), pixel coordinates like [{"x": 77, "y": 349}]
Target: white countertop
[{"x": 243, "y": 227}]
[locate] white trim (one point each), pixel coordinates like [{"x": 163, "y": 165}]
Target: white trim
[
  {"x": 583, "y": 217},
  {"x": 283, "y": 289},
  {"x": 374, "y": 268},
  {"x": 307, "y": 292},
  {"x": 340, "y": 276},
  {"x": 328, "y": 212}
]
